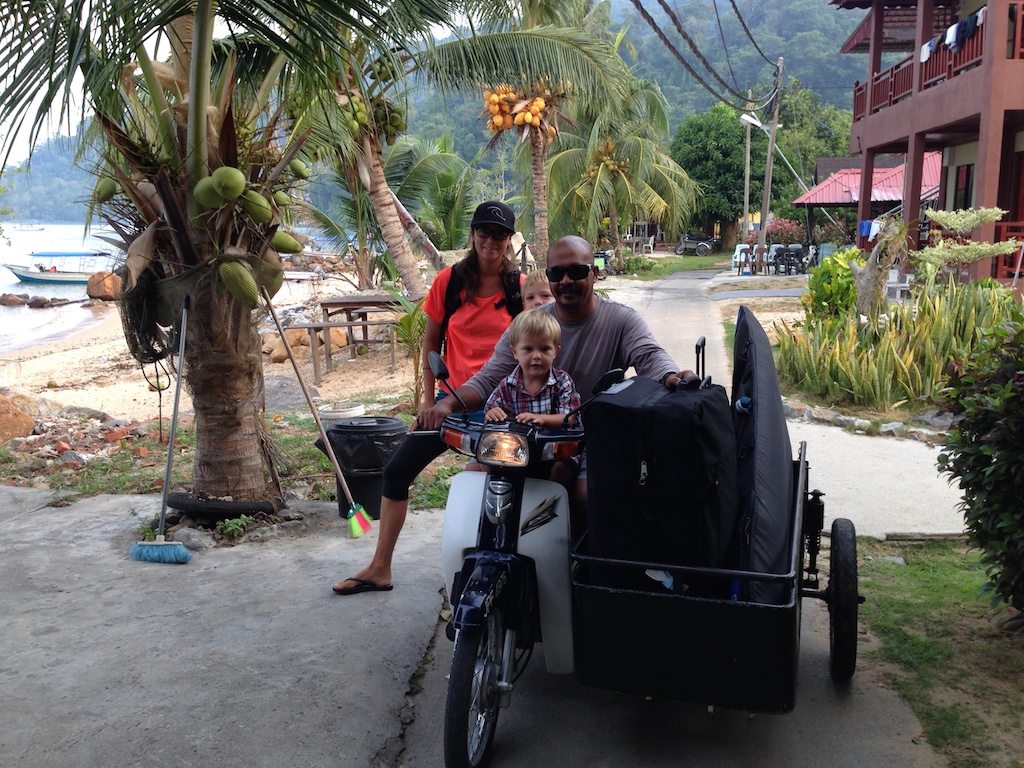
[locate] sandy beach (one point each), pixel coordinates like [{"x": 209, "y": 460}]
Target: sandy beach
[{"x": 93, "y": 368}]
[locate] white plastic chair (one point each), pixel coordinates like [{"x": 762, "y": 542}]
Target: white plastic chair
[{"x": 647, "y": 247}]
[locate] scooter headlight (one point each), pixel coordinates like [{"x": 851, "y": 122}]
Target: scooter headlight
[{"x": 503, "y": 449}]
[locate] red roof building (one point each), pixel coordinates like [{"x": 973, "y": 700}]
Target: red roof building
[{"x": 957, "y": 92}]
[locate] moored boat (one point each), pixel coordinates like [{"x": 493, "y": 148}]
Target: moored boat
[{"x": 61, "y": 266}]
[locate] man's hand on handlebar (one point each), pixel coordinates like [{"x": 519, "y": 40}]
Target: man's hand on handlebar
[
  {"x": 431, "y": 418},
  {"x": 672, "y": 380}
]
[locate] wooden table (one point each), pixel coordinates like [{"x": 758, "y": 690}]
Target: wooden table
[{"x": 356, "y": 310}]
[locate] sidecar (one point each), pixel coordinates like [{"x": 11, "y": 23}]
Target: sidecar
[{"x": 721, "y": 627}]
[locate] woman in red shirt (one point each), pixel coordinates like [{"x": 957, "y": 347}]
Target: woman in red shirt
[{"x": 470, "y": 334}]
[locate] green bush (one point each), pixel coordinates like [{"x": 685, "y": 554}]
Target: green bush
[
  {"x": 901, "y": 359},
  {"x": 983, "y": 453},
  {"x": 831, "y": 292},
  {"x": 633, "y": 264}
]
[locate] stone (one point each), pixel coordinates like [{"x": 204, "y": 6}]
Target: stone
[
  {"x": 105, "y": 286},
  {"x": 13, "y": 299},
  {"x": 39, "y": 302},
  {"x": 896, "y": 428},
  {"x": 339, "y": 338},
  {"x": 14, "y": 422}
]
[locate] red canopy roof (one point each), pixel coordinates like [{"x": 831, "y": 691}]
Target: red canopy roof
[{"x": 843, "y": 187}]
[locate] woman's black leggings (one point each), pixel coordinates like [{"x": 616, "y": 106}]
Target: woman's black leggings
[{"x": 412, "y": 457}]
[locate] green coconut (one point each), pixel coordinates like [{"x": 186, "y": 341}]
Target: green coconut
[
  {"x": 282, "y": 242},
  {"x": 257, "y": 207},
  {"x": 230, "y": 182},
  {"x": 206, "y": 194},
  {"x": 299, "y": 169},
  {"x": 105, "y": 189},
  {"x": 283, "y": 199}
]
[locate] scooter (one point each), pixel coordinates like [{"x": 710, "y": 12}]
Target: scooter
[{"x": 505, "y": 548}]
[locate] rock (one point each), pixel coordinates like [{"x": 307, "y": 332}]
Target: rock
[
  {"x": 896, "y": 428},
  {"x": 339, "y": 338},
  {"x": 14, "y": 422},
  {"x": 35, "y": 406},
  {"x": 193, "y": 538},
  {"x": 39, "y": 302},
  {"x": 269, "y": 341},
  {"x": 13, "y": 299},
  {"x": 73, "y": 457},
  {"x": 105, "y": 286}
]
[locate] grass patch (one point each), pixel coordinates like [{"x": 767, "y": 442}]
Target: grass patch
[
  {"x": 963, "y": 678},
  {"x": 663, "y": 266}
]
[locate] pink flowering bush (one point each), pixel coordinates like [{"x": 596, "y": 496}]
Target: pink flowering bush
[{"x": 783, "y": 231}]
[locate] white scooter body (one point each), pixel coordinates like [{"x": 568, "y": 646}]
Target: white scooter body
[{"x": 547, "y": 544}]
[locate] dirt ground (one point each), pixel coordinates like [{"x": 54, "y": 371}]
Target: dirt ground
[{"x": 94, "y": 369}]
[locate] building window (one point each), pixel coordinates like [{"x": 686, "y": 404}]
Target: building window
[{"x": 963, "y": 190}]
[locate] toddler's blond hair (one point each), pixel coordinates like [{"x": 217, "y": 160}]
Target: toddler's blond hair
[{"x": 535, "y": 322}]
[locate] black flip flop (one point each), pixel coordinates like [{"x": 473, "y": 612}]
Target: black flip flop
[{"x": 362, "y": 586}]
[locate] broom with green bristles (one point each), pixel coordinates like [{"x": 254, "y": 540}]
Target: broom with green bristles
[
  {"x": 160, "y": 550},
  {"x": 358, "y": 520}
]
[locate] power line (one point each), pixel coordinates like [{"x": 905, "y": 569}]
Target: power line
[
  {"x": 725, "y": 47},
  {"x": 742, "y": 99},
  {"x": 746, "y": 29}
]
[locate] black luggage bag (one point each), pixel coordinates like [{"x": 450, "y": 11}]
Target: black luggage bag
[{"x": 661, "y": 477}]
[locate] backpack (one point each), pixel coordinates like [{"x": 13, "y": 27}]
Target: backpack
[{"x": 511, "y": 301}]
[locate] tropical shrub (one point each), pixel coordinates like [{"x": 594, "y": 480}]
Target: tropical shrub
[
  {"x": 983, "y": 453},
  {"x": 831, "y": 292},
  {"x": 783, "y": 231},
  {"x": 901, "y": 358}
]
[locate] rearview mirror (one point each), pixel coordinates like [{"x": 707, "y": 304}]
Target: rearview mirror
[{"x": 438, "y": 366}]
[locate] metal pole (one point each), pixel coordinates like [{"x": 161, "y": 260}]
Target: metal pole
[
  {"x": 766, "y": 196},
  {"x": 746, "y": 179}
]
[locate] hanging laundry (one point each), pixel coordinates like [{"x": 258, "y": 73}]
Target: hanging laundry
[
  {"x": 971, "y": 26},
  {"x": 950, "y": 39},
  {"x": 981, "y": 15},
  {"x": 875, "y": 226},
  {"x": 864, "y": 228},
  {"x": 926, "y": 50}
]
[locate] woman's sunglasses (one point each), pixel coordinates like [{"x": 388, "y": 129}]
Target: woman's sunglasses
[
  {"x": 574, "y": 271},
  {"x": 497, "y": 235}
]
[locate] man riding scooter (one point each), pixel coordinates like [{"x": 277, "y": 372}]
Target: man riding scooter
[{"x": 597, "y": 335}]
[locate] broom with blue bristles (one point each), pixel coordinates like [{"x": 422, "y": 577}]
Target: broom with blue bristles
[{"x": 160, "y": 550}]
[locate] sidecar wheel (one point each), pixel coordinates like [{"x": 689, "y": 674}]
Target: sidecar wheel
[
  {"x": 842, "y": 600},
  {"x": 703, "y": 249},
  {"x": 471, "y": 710},
  {"x": 680, "y": 249}
]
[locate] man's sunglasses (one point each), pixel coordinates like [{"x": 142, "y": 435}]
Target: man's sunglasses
[
  {"x": 574, "y": 271},
  {"x": 497, "y": 235}
]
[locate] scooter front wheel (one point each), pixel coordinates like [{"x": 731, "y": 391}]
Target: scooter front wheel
[{"x": 471, "y": 710}]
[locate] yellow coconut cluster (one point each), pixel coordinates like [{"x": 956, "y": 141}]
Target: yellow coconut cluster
[{"x": 505, "y": 109}]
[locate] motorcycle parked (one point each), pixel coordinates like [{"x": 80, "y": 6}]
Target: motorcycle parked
[{"x": 702, "y": 246}]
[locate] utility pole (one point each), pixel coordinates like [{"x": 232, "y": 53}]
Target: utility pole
[
  {"x": 766, "y": 197},
  {"x": 745, "y": 229}
]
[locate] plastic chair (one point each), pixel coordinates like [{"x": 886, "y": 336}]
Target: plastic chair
[
  {"x": 647, "y": 247},
  {"x": 742, "y": 259},
  {"x": 760, "y": 260}
]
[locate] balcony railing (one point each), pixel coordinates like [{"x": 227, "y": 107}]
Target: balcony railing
[
  {"x": 1004, "y": 267},
  {"x": 897, "y": 83}
]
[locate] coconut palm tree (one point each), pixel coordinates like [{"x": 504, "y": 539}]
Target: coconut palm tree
[
  {"x": 619, "y": 169},
  {"x": 547, "y": 54},
  {"x": 199, "y": 158}
]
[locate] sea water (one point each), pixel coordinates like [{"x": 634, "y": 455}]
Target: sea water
[{"x": 22, "y": 327}]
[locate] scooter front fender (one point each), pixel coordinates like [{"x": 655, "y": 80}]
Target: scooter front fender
[{"x": 492, "y": 579}]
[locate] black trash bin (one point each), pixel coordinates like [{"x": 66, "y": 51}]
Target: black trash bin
[{"x": 363, "y": 445}]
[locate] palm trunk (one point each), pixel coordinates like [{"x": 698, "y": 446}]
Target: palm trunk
[
  {"x": 538, "y": 157},
  {"x": 613, "y": 225},
  {"x": 390, "y": 226},
  {"x": 224, "y": 373},
  {"x": 417, "y": 235}
]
